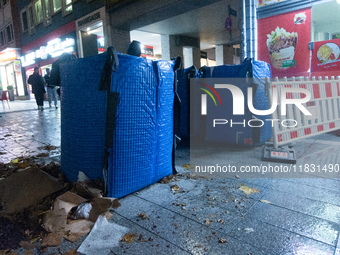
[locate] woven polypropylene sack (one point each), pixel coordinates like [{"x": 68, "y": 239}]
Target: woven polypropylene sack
[
  {"x": 138, "y": 139},
  {"x": 183, "y": 91},
  {"x": 83, "y": 117},
  {"x": 238, "y": 133}
]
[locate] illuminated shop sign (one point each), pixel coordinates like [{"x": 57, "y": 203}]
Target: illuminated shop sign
[
  {"x": 8, "y": 55},
  {"x": 52, "y": 49},
  {"x": 89, "y": 19}
]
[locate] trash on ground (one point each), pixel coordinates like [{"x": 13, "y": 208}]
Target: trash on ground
[
  {"x": 103, "y": 237},
  {"x": 265, "y": 201},
  {"x": 175, "y": 188},
  {"x": 25, "y": 188},
  {"x": 222, "y": 240},
  {"x": 248, "y": 190},
  {"x": 248, "y": 230},
  {"x": 143, "y": 216},
  {"x": 128, "y": 238},
  {"x": 37, "y": 204}
]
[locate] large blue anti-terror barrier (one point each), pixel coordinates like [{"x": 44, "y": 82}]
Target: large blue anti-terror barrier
[
  {"x": 141, "y": 151},
  {"x": 240, "y": 132}
]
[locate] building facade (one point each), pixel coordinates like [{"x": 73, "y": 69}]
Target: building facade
[
  {"x": 10, "y": 52},
  {"x": 52, "y": 27}
]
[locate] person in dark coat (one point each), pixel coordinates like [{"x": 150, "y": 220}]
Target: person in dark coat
[
  {"x": 55, "y": 72},
  {"x": 38, "y": 88}
]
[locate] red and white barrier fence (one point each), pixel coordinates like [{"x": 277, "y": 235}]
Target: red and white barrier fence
[{"x": 323, "y": 107}]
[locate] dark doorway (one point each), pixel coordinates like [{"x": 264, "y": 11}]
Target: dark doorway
[{"x": 89, "y": 41}]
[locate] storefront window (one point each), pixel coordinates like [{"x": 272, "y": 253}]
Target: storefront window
[
  {"x": 38, "y": 11},
  {"x": 56, "y": 5}
]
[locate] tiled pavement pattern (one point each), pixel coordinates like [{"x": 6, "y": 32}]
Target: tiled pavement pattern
[{"x": 303, "y": 216}]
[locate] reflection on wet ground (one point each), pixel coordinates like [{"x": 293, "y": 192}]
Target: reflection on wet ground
[{"x": 279, "y": 215}]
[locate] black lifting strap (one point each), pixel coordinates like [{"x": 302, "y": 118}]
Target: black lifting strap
[{"x": 111, "y": 65}]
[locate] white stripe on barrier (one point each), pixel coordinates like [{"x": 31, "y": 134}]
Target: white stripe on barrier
[{"x": 324, "y": 106}]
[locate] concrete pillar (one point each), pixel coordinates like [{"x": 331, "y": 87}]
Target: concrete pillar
[
  {"x": 188, "y": 59},
  {"x": 169, "y": 48},
  {"x": 120, "y": 39},
  {"x": 228, "y": 55},
  {"x": 219, "y": 55}
]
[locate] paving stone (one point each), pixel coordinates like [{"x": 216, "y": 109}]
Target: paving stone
[
  {"x": 305, "y": 205},
  {"x": 149, "y": 242},
  {"x": 330, "y": 184},
  {"x": 308, "y": 191},
  {"x": 275, "y": 240},
  {"x": 162, "y": 193},
  {"x": 302, "y": 224}
]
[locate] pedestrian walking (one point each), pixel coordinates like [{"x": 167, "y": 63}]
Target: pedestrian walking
[
  {"x": 38, "y": 88},
  {"x": 51, "y": 90}
]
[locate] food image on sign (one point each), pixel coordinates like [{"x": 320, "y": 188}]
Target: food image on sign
[
  {"x": 300, "y": 18},
  {"x": 328, "y": 52},
  {"x": 281, "y": 46}
]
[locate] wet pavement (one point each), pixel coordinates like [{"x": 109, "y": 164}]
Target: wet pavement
[{"x": 208, "y": 216}]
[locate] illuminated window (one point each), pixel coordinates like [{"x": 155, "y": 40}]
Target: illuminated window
[
  {"x": 47, "y": 12},
  {"x": 56, "y": 5},
  {"x": 30, "y": 19},
  {"x": 38, "y": 11},
  {"x": 67, "y": 7},
  {"x": 47, "y": 9}
]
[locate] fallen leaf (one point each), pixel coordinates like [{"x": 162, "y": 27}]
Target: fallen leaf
[
  {"x": 143, "y": 216},
  {"x": 220, "y": 221},
  {"x": 52, "y": 239},
  {"x": 248, "y": 190},
  {"x": 248, "y": 230},
  {"x": 265, "y": 201},
  {"x": 207, "y": 221},
  {"x": 222, "y": 240},
  {"x": 212, "y": 216},
  {"x": 226, "y": 212},
  {"x": 128, "y": 238},
  {"x": 188, "y": 166},
  {"x": 175, "y": 188}
]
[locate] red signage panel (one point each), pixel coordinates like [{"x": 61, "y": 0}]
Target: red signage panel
[
  {"x": 283, "y": 43},
  {"x": 326, "y": 58}
]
